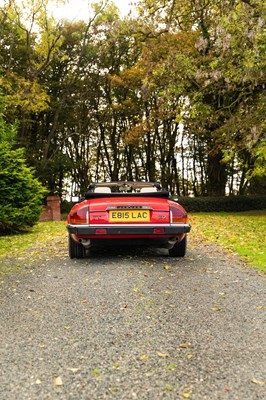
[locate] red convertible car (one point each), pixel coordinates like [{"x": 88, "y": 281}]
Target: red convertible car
[{"x": 127, "y": 213}]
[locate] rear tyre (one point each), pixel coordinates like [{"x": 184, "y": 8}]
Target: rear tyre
[
  {"x": 75, "y": 250},
  {"x": 80, "y": 251},
  {"x": 71, "y": 247},
  {"x": 179, "y": 249}
]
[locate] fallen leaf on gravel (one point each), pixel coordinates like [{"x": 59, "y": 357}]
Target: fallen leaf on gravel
[
  {"x": 68, "y": 327},
  {"x": 185, "y": 346},
  {"x": 74, "y": 369},
  {"x": 171, "y": 367},
  {"x": 167, "y": 267},
  {"x": 136, "y": 289},
  {"x": 96, "y": 372},
  {"x": 216, "y": 309},
  {"x": 144, "y": 357},
  {"x": 168, "y": 387},
  {"x": 38, "y": 382},
  {"x": 258, "y": 382},
  {"x": 168, "y": 292},
  {"x": 73, "y": 340},
  {"x": 227, "y": 389},
  {"x": 164, "y": 355},
  {"x": 189, "y": 356},
  {"x": 186, "y": 395},
  {"x": 58, "y": 381}
]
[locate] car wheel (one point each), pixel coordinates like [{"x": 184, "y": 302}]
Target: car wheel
[
  {"x": 76, "y": 250},
  {"x": 71, "y": 247},
  {"x": 80, "y": 251},
  {"x": 179, "y": 249}
]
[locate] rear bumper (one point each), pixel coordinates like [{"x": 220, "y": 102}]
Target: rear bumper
[{"x": 141, "y": 229}]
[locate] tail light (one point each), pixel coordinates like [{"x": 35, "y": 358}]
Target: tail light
[
  {"x": 79, "y": 216},
  {"x": 177, "y": 215}
]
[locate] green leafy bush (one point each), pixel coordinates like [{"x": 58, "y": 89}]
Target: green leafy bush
[
  {"x": 226, "y": 203},
  {"x": 21, "y": 195}
]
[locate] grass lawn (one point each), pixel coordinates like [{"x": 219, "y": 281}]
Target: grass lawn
[
  {"x": 244, "y": 233},
  {"x": 42, "y": 235}
]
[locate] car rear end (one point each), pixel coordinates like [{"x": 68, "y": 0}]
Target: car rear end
[{"x": 110, "y": 221}]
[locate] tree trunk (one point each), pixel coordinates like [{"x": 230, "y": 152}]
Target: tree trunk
[{"x": 216, "y": 174}]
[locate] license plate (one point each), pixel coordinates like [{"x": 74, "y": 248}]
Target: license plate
[{"x": 129, "y": 216}]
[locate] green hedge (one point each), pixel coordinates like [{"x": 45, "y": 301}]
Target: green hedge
[
  {"x": 66, "y": 206},
  {"x": 207, "y": 204},
  {"x": 227, "y": 203}
]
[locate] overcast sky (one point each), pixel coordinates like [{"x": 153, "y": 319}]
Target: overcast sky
[{"x": 77, "y": 9}]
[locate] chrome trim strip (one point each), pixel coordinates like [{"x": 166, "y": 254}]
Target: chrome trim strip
[
  {"x": 128, "y": 225},
  {"x": 131, "y": 208}
]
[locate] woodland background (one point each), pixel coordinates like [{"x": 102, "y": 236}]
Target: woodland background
[{"x": 174, "y": 92}]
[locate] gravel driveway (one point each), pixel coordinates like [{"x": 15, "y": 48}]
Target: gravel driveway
[{"x": 131, "y": 324}]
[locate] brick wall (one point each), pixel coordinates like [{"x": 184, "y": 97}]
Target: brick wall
[{"x": 51, "y": 212}]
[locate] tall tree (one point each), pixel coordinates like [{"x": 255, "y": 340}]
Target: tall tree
[
  {"x": 176, "y": 94},
  {"x": 223, "y": 77}
]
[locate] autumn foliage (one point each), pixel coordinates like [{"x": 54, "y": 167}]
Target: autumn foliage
[{"x": 174, "y": 93}]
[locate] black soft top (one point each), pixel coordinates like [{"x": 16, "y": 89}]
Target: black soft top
[
  {"x": 125, "y": 189},
  {"x": 160, "y": 194}
]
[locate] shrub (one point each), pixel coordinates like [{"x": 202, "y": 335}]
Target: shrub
[
  {"x": 226, "y": 203},
  {"x": 66, "y": 206},
  {"x": 21, "y": 194}
]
